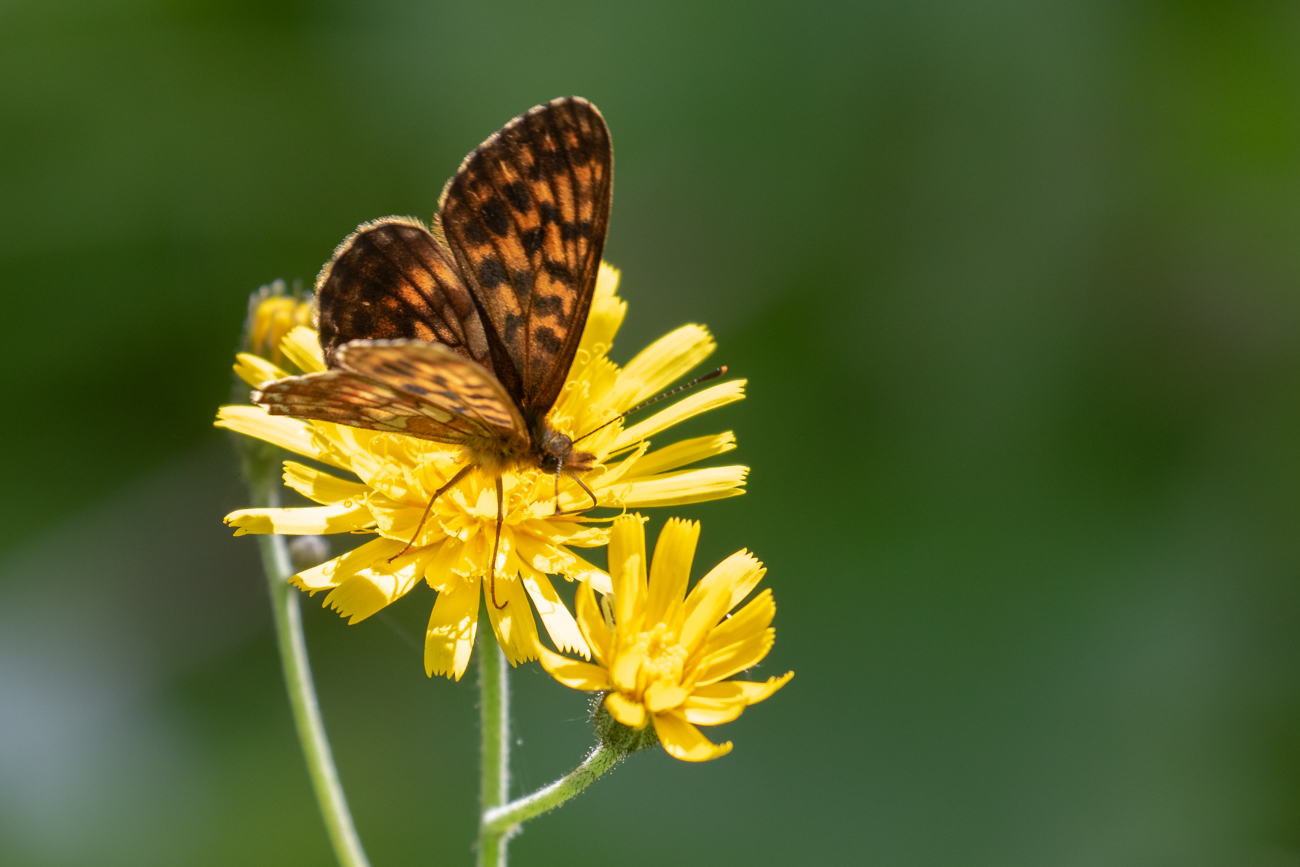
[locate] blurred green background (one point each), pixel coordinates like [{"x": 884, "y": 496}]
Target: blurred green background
[{"x": 1016, "y": 288}]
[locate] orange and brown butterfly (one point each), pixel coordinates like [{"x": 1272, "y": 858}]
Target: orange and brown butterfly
[{"x": 463, "y": 332}]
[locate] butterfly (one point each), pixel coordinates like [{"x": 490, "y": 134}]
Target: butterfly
[{"x": 463, "y": 332}]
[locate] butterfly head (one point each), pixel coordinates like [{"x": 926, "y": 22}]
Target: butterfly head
[{"x": 554, "y": 452}]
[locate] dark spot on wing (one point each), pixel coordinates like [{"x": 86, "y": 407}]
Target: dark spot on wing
[
  {"x": 513, "y": 323},
  {"x": 547, "y": 340},
  {"x": 415, "y": 389},
  {"x": 495, "y": 217},
  {"x": 474, "y": 232},
  {"x": 559, "y": 271},
  {"x": 548, "y": 305},
  {"x": 555, "y": 162},
  {"x": 491, "y": 273},
  {"x": 533, "y": 240},
  {"x": 550, "y": 213},
  {"x": 572, "y": 231},
  {"x": 517, "y": 194}
]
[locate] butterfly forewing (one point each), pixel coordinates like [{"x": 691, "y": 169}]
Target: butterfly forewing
[
  {"x": 464, "y": 333},
  {"x": 392, "y": 279},
  {"x": 526, "y": 218}
]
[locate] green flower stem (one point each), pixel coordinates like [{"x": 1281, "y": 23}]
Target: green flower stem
[
  {"x": 494, "y": 708},
  {"x": 502, "y": 820},
  {"x": 263, "y": 480}
]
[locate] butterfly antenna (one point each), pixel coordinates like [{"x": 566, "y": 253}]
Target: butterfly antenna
[
  {"x": 460, "y": 474},
  {"x": 712, "y": 374},
  {"x": 496, "y": 544}
]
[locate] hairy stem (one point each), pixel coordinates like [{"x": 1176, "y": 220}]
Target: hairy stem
[
  {"x": 494, "y": 708},
  {"x": 263, "y": 480},
  {"x": 503, "y": 819}
]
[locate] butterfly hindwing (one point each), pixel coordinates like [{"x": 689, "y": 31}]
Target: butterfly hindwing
[
  {"x": 526, "y": 217},
  {"x": 392, "y": 279},
  {"x": 345, "y": 398},
  {"x": 438, "y": 377},
  {"x": 403, "y": 386}
]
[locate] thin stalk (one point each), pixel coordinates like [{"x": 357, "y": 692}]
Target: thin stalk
[
  {"x": 278, "y": 565},
  {"x": 494, "y": 708},
  {"x": 501, "y": 820}
]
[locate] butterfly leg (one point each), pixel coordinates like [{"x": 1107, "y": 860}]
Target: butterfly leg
[
  {"x": 496, "y": 544},
  {"x": 429, "y": 508},
  {"x": 559, "y": 467},
  {"x": 594, "y": 501}
]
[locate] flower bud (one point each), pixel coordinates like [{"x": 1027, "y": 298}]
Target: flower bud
[
  {"x": 613, "y": 735},
  {"x": 308, "y": 551},
  {"x": 272, "y": 313}
]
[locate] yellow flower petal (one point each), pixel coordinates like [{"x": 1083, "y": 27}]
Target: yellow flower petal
[
  {"x": 670, "y": 571},
  {"x": 334, "y": 572},
  {"x": 702, "y": 711},
  {"x": 748, "y": 621},
  {"x": 439, "y": 574},
  {"x": 683, "y": 453},
  {"x": 664, "y": 695},
  {"x": 592, "y": 623},
  {"x": 741, "y": 572},
  {"x": 573, "y": 673},
  {"x": 257, "y": 371},
  {"x": 722, "y": 702},
  {"x": 705, "y": 614},
  {"x": 580, "y": 570},
  {"x": 287, "y": 433},
  {"x": 322, "y": 487},
  {"x": 627, "y": 665},
  {"x": 306, "y": 521},
  {"x": 540, "y": 553},
  {"x": 735, "y": 658},
  {"x": 375, "y": 587},
  {"x": 626, "y": 711},
  {"x": 683, "y": 487},
  {"x": 698, "y": 402},
  {"x": 513, "y": 624},
  {"x": 301, "y": 347},
  {"x": 662, "y": 363},
  {"x": 553, "y": 532},
  {"x": 559, "y": 623},
  {"x": 606, "y": 313},
  {"x": 681, "y": 740},
  {"x": 612, "y": 473},
  {"x": 627, "y": 570},
  {"x": 450, "y": 636}
]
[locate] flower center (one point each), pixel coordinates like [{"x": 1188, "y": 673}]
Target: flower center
[{"x": 664, "y": 657}]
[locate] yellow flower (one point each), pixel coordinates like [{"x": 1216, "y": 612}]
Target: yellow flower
[
  {"x": 667, "y": 655},
  {"x": 397, "y": 475},
  {"x": 271, "y": 315}
]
